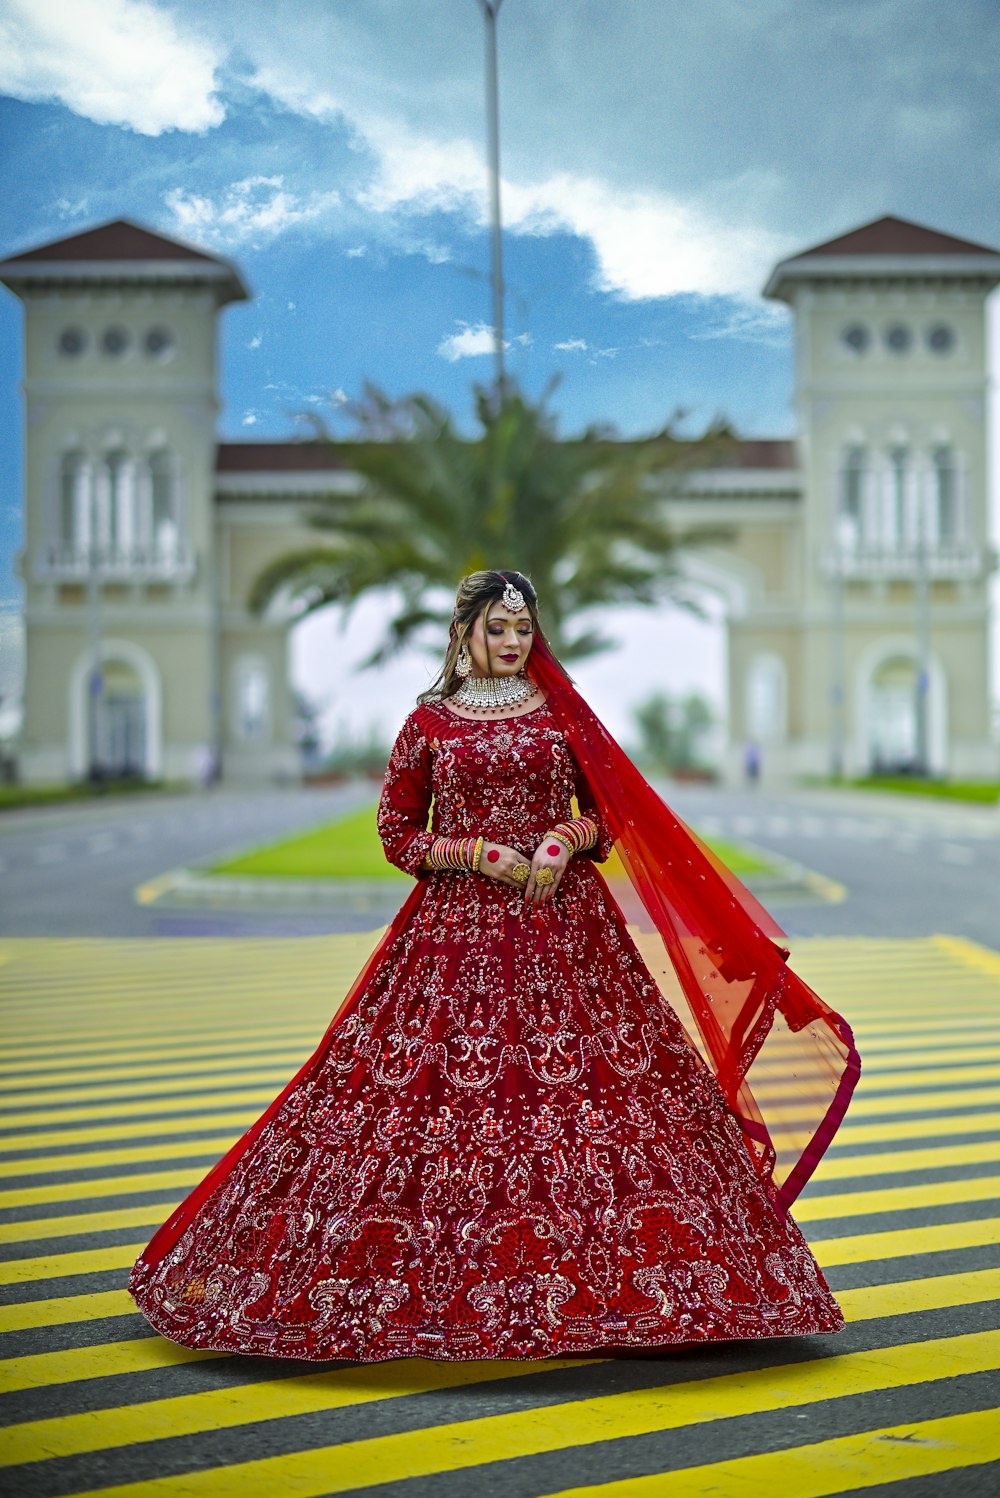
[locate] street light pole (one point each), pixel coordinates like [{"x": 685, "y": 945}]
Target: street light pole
[
  {"x": 491, "y": 9},
  {"x": 837, "y": 669},
  {"x": 923, "y": 602},
  {"x": 95, "y": 768}
]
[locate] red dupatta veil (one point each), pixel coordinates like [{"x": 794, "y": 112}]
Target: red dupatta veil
[{"x": 785, "y": 1060}]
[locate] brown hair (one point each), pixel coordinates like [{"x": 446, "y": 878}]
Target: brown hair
[{"x": 476, "y": 593}]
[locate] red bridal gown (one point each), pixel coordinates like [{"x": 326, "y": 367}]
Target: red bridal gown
[{"x": 505, "y": 1145}]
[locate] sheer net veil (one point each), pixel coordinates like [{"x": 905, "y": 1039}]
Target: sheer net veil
[{"x": 786, "y": 1061}]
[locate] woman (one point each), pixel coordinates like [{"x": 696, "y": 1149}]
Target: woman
[{"x": 507, "y": 1144}]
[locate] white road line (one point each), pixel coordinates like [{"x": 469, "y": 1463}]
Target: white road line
[
  {"x": 812, "y": 827},
  {"x": 51, "y": 853}
]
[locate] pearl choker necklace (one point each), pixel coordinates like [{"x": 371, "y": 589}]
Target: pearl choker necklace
[{"x": 484, "y": 692}]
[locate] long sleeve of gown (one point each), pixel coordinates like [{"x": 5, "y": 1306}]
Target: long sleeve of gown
[
  {"x": 406, "y": 800},
  {"x": 601, "y": 850}
]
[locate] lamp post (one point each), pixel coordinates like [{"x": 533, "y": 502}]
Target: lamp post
[
  {"x": 95, "y": 768},
  {"x": 842, "y": 541},
  {"x": 922, "y": 593},
  {"x": 491, "y": 9}
]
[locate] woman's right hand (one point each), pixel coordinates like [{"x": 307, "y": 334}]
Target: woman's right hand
[{"x": 502, "y": 866}]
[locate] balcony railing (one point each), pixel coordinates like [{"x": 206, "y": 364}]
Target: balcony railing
[
  {"x": 942, "y": 561},
  {"x": 137, "y": 563}
]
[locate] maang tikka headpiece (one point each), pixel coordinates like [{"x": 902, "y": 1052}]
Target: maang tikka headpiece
[{"x": 512, "y": 598}]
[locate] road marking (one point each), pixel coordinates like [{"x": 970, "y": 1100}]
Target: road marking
[
  {"x": 51, "y": 853},
  {"x": 460, "y": 1445},
  {"x": 823, "y": 1469},
  {"x": 927, "y": 1107},
  {"x": 65, "y": 1310}
]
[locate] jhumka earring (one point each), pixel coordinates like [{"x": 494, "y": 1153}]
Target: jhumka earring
[{"x": 463, "y": 662}]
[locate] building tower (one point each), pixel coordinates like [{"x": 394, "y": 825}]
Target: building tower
[
  {"x": 120, "y": 562},
  {"x": 892, "y": 390}
]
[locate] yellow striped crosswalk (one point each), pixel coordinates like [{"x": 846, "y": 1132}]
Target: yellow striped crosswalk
[{"x": 133, "y": 1066}]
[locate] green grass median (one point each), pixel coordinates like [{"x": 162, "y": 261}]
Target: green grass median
[
  {"x": 349, "y": 848},
  {"x": 982, "y": 792}
]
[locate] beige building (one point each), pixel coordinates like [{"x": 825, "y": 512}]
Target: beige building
[{"x": 856, "y": 583}]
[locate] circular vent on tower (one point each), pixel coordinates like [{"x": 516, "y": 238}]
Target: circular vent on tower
[
  {"x": 72, "y": 342},
  {"x": 898, "y": 338},
  {"x": 940, "y": 338},
  {"x": 158, "y": 343},
  {"x": 115, "y": 341},
  {"x": 856, "y": 336}
]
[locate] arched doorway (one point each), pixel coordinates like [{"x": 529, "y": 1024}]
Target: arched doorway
[
  {"x": 892, "y": 716},
  {"x": 116, "y": 729},
  {"x": 887, "y": 720},
  {"x": 119, "y": 731}
]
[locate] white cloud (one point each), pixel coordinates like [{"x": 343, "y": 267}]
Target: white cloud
[
  {"x": 647, "y": 243},
  {"x": 255, "y": 341},
  {"x": 930, "y": 124},
  {"x": 572, "y": 345},
  {"x": 471, "y": 341},
  {"x": 356, "y": 251},
  {"x": 116, "y": 62},
  {"x": 758, "y": 322},
  {"x": 250, "y": 419},
  {"x": 252, "y": 208}
]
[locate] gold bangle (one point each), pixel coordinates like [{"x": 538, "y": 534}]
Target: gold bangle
[{"x": 477, "y": 854}]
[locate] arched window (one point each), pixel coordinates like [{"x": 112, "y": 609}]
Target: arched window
[
  {"x": 251, "y": 700},
  {"x": 853, "y": 486},
  {"x": 766, "y": 698},
  {"x": 118, "y": 527},
  {"x": 898, "y": 528},
  {"x": 944, "y": 495},
  {"x": 163, "y": 502},
  {"x": 72, "y": 520}
]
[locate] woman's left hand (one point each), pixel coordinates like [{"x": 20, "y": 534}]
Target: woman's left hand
[{"x": 550, "y": 854}]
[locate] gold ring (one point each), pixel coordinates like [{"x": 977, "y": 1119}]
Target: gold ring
[
  {"x": 544, "y": 876},
  {"x": 521, "y": 872}
]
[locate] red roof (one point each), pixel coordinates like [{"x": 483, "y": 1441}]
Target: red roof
[
  {"x": 278, "y": 457},
  {"x": 320, "y": 457},
  {"x": 764, "y": 452},
  {"x": 896, "y": 236},
  {"x": 118, "y": 240}
]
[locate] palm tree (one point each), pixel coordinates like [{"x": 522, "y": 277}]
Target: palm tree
[{"x": 584, "y": 518}]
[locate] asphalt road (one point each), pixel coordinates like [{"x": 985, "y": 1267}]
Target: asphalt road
[
  {"x": 910, "y": 867},
  {"x": 72, "y": 870}
]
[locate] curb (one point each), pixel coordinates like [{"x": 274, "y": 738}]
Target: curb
[
  {"x": 791, "y": 883},
  {"x": 187, "y": 887}
]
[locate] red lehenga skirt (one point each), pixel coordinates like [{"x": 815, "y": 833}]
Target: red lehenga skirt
[{"x": 505, "y": 1146}]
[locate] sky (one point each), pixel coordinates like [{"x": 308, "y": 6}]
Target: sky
[{"x": 658, "y": 158}]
